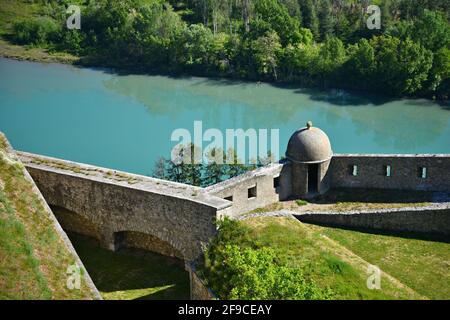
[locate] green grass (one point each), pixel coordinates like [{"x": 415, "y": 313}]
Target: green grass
[
  {"x": 18, "y": 10},
  {"x": 14, "y": 10},
  {"x": 420, "y": 264},
  {"x": 301, "y": 202},
  {"x": 33, "y": 257},
  {"x": 20, "y": 276},
  {"x": 328, "y": 263},
  {"x": 132, "y": 274},
  {"x": 344, "y": 199}
]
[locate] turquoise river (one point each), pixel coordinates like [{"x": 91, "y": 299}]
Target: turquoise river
[{"x": 125, "y": 122}]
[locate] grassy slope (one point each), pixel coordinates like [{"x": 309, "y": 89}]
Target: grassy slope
[
  {"x": 33, "y": 258},
  {"x": 12, "y": 10},
  {"x": 16, "y": 10},
  {"x": 132, "y": 274},
  {"x": 421, "y": 265},
  {"x": 333, "y": 265}
]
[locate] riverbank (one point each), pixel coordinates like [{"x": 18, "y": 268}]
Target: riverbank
[{"x": 22, "y": 53}]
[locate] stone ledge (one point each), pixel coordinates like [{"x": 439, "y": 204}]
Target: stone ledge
[
  {"x": 271, "y": 169},
  {"x": 123, "y": 179},
  {"x": 393, "y": 155}
]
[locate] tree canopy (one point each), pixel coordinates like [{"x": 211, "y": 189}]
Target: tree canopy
[{"x": 323, "y": 43}]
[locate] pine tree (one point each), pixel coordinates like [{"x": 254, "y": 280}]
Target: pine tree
[
  {"x": 159, "y": 170},
  {"x": 325, "y": 15},
  {"x": 309, "y": 17},
  {"x": 215, "y": 169}
]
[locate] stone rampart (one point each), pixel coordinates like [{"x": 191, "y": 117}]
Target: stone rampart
[
  {"x": 181, "y": 216},
  {"x": 407, "y": 172}
]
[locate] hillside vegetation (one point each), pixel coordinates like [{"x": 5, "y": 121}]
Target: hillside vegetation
[
  {"x": 311, "y": 262},
  {"x": 33, "y": 256},
  {"x": 323, "y": 43}
]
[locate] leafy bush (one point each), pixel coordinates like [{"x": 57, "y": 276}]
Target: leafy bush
[
  {"x": 237, "y": 268},
  {"x": 72, "y": 41},
  {"x": 38, "y": 31}
]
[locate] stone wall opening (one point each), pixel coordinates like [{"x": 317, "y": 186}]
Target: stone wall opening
[
  {"x": 313, "y": 177},
  {"x": 143, "y": 241},
  {"x": 77, "y": 223}
]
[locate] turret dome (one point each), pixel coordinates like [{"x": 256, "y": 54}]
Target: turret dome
[{"x": 309, "y": 145}]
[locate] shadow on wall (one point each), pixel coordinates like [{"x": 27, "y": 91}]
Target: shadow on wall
[
  {"x": 349, "y": 195},
  {"x": 139, "y": 240},
  {"x": 74, "y": 222},
  {"x": 143, "y": 267},
  {"x": 132, "y": 273}
]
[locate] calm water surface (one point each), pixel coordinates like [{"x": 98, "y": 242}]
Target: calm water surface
[{"x": 125, "y": 121}]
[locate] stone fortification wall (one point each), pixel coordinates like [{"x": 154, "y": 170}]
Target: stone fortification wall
[
  {"x": 254, "y": 189},
  {"x": 431, "y": 220},
  {"x": 181, "y": 216},
  {"x": 405, "y": 171}
]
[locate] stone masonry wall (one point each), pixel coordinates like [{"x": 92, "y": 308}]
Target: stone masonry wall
[
  {"x": 236, "y": 189},
  {"x": 181, "y": 216},
  {"x": 405, "y": 172},
  {"x": 199, "y": 290},
  {"x": 422, "y": 220}
]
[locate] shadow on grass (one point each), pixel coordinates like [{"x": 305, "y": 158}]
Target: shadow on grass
[
  {"x": 434, "y": 237},
  {"x": 120, "y": 273}
]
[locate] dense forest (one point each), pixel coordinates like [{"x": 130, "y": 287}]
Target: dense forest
[{"x": 322, "y": 43}]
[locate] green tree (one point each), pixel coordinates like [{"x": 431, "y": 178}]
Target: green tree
[
  {"x": 277, "y": 16},
  {"x": 234, "y": 165},
  {"x": 215, "y": 170},
  {"x": 196, "y": 46},
  {"x": 160, "y": 168},
  {"x": 72, "y": 41},
  {"x": 325, "y": 16},
  {"x": 185, "y": 165},
  {"x": 331, "y": 57},
  {"x": 361, "y": 64},
  {"x": 401, "y": 66},
  {"x": 293, "y": 8},
  {"x": 439, "y": 75},
  {"x": 298, "y": 63},
  {"x": 309, "y": 17},
  {"x": 265, "y": 54},
  {"x": 432, "y": 31}
]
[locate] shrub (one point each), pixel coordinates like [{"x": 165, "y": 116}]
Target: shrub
[
  {"x": 39, "y": 31},
  {"x": 236, "y": 268},
  {"x": 71, "y": 41}
]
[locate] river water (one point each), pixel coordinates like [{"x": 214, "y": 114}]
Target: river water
[{"x": 125, "y": 122}]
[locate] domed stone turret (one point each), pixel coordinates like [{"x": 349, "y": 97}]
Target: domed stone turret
[
  {"x": 309, "y": 151},
  {"x": 309, "y": 145}
]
